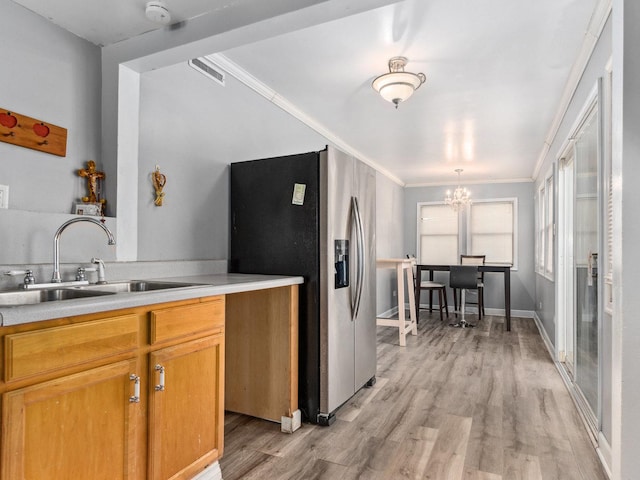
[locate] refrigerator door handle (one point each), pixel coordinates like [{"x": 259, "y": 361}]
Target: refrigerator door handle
[{"x": 360, "y": 249}]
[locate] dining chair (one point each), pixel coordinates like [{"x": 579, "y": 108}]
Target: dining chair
[
  {"x": 476, "y": 260},
  {"x": 430, "y": 286},
  {"x": 463, "y": 278}
]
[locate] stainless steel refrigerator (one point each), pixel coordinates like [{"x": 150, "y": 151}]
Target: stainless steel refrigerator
[{"x": 313, "y": 215}]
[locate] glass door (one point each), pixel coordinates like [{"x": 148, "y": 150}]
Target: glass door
[
  {"x": 579, "y": 224},
  {"x": 585, "y": 262}
]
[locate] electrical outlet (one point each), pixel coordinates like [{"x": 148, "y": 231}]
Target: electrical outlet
[
  {"x": 539, "y": 305},
  {"x": 395, "y": 293}
]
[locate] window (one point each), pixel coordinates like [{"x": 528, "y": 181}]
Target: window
[
  {"x": 437, "y": 234},
  {"x": 545, "y": 227},
  {"x": 548, "y": 228},
  {"x": 491, "y": 230},
  {"x": 540, "y": 223}
]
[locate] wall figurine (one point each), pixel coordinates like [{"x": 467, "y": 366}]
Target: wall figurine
[
  {"x": 159, "y": 181},
  {"x": 94, "y": 186}
]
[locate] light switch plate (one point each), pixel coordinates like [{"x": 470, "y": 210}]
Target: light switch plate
[{"x": 4, "y": 196}]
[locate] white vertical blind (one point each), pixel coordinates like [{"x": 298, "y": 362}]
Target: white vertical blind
[
  {"x": 438, "y": 234},
  {"x": 492, "y": 230},
  {"x": 608, "y": 274}
]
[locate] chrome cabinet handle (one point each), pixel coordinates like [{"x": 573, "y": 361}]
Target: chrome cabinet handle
[
  {"x": 160, "y": 386},
  {"x": 136, "y": 388}
]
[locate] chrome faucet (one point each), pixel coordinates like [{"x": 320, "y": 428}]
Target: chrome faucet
[{"x": 56, "y": 242}]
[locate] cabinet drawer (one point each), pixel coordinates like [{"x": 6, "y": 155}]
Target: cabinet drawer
[
  {"x": 42, "y": 351},
  {"x": 176, "y": 322}
]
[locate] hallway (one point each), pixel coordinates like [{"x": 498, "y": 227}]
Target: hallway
[{"x": 478, "y": 404}]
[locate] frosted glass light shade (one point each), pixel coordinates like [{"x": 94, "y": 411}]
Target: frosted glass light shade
[{"x": 397, "y": 85}]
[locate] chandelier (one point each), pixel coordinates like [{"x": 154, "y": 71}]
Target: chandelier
[
  {"x": 397, "y": 85},
  {"x": 460, "y": 196}
]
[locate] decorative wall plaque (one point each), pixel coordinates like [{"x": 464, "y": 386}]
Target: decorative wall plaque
[{"x": 32, "y": 133}]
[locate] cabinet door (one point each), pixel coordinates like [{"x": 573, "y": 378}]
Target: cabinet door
[
  {"x": 186, "y": 413},
  {"x": 78, "y": 426}
]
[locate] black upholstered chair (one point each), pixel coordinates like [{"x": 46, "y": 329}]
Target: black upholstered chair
[
  {"x": 473, "y": 260},
  {"x": 463, "y": 278}
]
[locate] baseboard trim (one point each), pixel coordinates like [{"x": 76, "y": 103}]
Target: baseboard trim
[
  {"x": 392, "y": 312},
  {"x": 498, "y": 312},
  {"x": 545, "y": 338},
  {"x": 604, "y": 453}
]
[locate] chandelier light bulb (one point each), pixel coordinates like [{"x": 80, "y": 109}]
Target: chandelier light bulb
[{"x": 460, "y": 197}]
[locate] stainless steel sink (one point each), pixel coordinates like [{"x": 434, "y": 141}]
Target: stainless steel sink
[
  {"x": 135, "y": 286},
  {"x": 30, "y": 297},
  {"x": 35, "y": 296}
]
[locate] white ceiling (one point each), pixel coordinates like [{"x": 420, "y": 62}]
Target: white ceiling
[{"x": 496, "y": 71}]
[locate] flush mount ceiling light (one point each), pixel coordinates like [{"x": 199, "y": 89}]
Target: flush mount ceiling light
[
  {"x": 460, "y": 197},
  {"x": 397, "y": 85},
  {"x": 157, "y": 12}
]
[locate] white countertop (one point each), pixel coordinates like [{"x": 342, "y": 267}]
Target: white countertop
[{"x": 215, "y": 284}]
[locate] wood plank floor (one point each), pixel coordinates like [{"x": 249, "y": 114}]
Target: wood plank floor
[{"x": 476, "y": 404}]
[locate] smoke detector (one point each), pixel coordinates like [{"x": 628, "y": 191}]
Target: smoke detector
[{"x": 157, "y": 12}]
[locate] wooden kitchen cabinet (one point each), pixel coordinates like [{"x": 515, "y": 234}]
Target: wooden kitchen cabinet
[
  {"x": 77, "y": 426},
  {"x": 186, "y": 408},
  {"x": 67, "y": 388}
]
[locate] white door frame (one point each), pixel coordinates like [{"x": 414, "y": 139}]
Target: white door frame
[{"x": 564, "y": 278}]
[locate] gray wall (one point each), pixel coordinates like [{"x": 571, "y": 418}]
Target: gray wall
[
  {"x": 595, "y": 69},
  {"x": 54, "y": 76},
  {"x": 522, "y": 279},
  {"x": 192, "y": 133},
  {"x": 213, "y": 126},
  {"x": 389, "y": 238},
  {"x": 545, "y": 289},
  {"x": 216, "y": 126}
]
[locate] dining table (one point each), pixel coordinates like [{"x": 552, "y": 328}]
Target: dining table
[{"x": 503, "y": 268}]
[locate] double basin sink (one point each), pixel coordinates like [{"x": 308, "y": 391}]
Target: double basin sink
[{"x": 16, "y": 298}]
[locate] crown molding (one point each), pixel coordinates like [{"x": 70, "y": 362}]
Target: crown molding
[{"x": 470, "y": 182}]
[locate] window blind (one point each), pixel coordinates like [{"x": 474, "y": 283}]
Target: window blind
[{"x": 438, "y": 234}]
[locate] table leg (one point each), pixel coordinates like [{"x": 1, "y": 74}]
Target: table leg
[
  {"x": 507, "y": 297},
  {"x": 412, "y": 303},
  {"x": 401, "y": 317},
  {"x": 416, "y": 296}
]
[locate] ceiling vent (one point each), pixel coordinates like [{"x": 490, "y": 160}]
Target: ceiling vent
[{"x": 205, "y": 67}]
